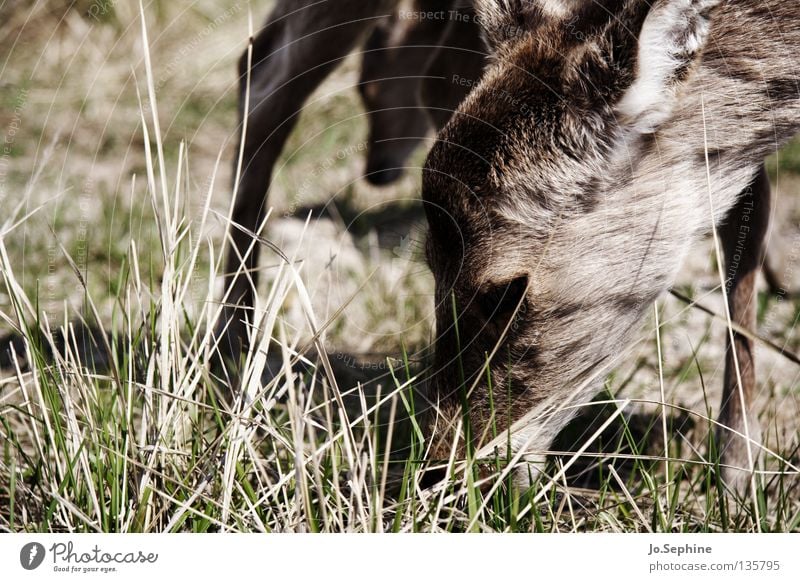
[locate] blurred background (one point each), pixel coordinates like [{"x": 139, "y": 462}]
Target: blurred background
[{"x": 73, "y": 117}]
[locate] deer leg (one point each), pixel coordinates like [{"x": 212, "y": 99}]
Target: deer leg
[
  {"x": 300, "y": 44},
  {"x": 394, "y": 60},
  {"x": 415, "y": 73},
  {"x": 743, "y": 238},
  {"x": 456, "y": 66}
]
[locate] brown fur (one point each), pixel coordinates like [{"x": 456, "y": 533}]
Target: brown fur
[{"x": 565, "y": 192}]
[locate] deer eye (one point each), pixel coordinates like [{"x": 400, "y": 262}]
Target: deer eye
[{"x": 499, "y": 301}]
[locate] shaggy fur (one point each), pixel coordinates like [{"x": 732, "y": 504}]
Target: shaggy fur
[{"x": 565, "y": 193}]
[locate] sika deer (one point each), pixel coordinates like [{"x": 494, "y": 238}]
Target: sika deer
[{"x": 605, "y": 138}]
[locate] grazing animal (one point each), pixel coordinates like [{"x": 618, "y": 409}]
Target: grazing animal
[
  {"x": 406, "y": 51},
  {"x": 563, "y": 195}
]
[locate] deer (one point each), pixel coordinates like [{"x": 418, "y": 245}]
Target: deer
[
  {"x": 409, "y": 52},
  {"x": 564, "y": 193}
]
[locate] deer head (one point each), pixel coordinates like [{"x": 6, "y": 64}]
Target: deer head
[{"x": 554, "y": 220}]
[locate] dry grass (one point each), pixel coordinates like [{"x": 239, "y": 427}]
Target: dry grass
[{"x": 103, "y": 228}]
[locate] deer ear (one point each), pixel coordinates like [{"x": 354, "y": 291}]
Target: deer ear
[
  {"x": 672, "y": 37},
  {"x": 506, "y": 20}
]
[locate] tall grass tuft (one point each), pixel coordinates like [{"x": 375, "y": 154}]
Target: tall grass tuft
[{"x": 118, "y": 421}]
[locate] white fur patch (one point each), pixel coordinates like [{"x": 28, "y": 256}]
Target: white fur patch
[
  {"x": 554, "y": 8},
  {"x": 671, "y": 31}
]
